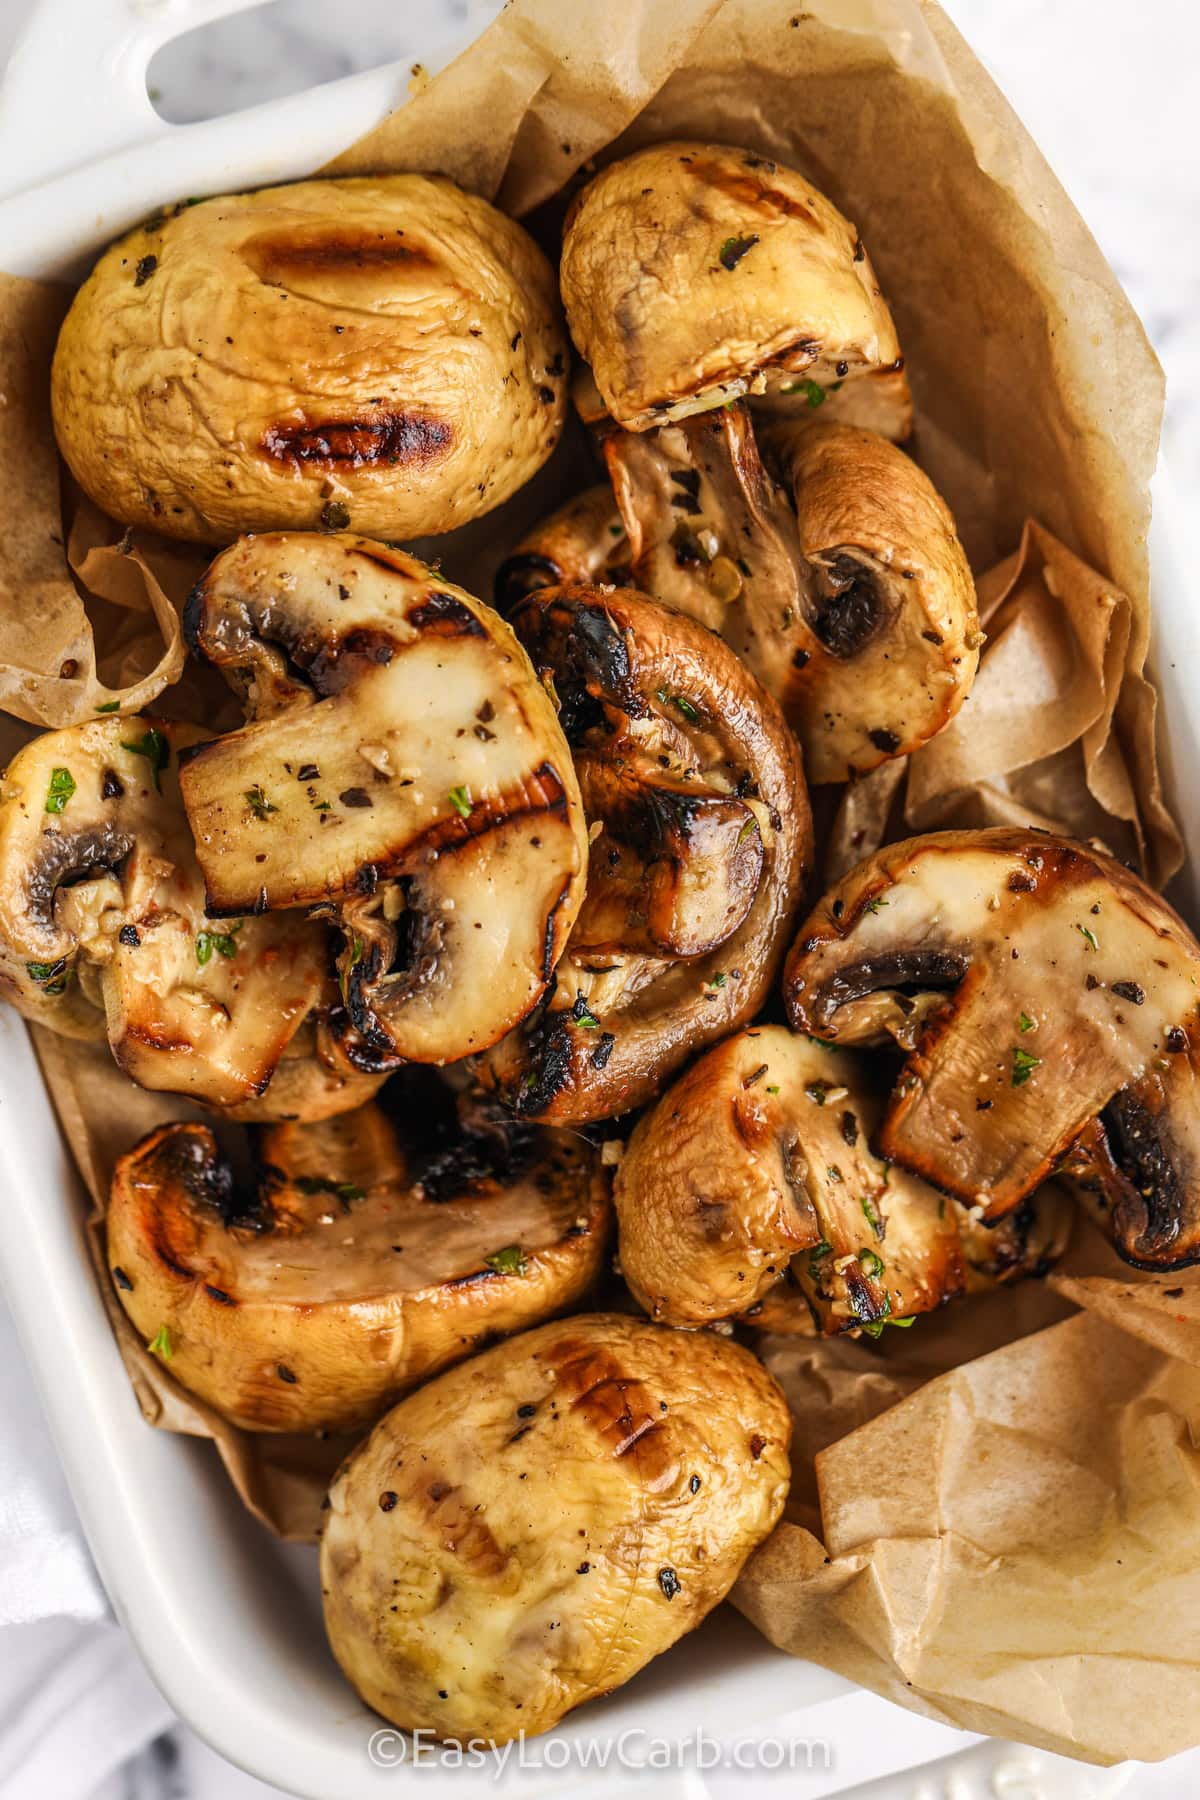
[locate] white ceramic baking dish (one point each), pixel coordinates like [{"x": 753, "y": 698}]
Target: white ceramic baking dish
[{"x": 226, "y": 1618}]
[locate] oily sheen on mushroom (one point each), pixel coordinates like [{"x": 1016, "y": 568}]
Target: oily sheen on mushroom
[
  {"x": 1048, "y": 1001},
  {"x": 700, "y": 834},
  {"x": 103, "y": 929},
  {"x": 583, "y": 541},
  {"x": 529, "y": 1530},
  {"x": 370, "y": 1254},
  {"x": 403, "y": 771},
  {"x": 386, "y": 352}
]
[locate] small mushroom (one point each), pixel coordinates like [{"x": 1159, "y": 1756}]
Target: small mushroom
[
  {"x": 693, "y": 274},
  {"x": 583, "y": 541},
  {"x": 386, "y": 351},
  {"x": 700, "y": 835},
  {"x": 857, "y": 610},
  {"x": 1044, "y": 993},
  {"x": 371, "y": 1253},
  {"x": 525, "y": 1533},
  {"x": 403, "y": 771},
  {"x": 103, "y": 928}
]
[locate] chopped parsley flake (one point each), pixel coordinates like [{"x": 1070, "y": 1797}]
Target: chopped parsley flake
[
  {"x": 1024, "y": 1063},
  {"x": 109, "y": 706},
  {"x": 748, "y": 830},
  {"x": 155, "y": 748},
  {"x": 1086, "y": 932},
  {"x": 734, "y": 248},
  {"x": 223, "y": 942},
  {"x": 62, "y": 786},
  {"x": 1025, "y": 1023},
  {"x": 718, "y": 980},
  {"x": 509, "y": 1261},
  {"x": 870, "y": 1215},
  {"x": 160, "y": 1344},
  {"x": 319, "y": 1184},
  {"x": 873, "y": 906},
  {"x": 813, "y": 392},
  {"x": 870, "y": 1262},
  {"x": 52, "y": 978},
  {"x": 460, "y": 800}
]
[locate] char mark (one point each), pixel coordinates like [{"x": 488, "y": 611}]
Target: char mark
[{"x": 392, "y": 438}]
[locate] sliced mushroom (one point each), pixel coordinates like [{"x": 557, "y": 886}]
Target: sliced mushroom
[
  {"x": 693, "y": 274},
  {"x": 583, "y": 541},
  {"x": 103, "y": 927},
  {"x": 311, "y": 1081},
  {"x": 1043, "y": 991},
  {"x": 857, "y": 611},
  {"x": 528, "y": 1531},
  {"x": 372, "y": 1253},
  {"x": 700, "y": 836},
  {"x": 404, "y": 770},
  {"x": 758, "y": 1160}
]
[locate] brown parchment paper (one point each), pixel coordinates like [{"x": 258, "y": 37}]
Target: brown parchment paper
[{"x": 1000, "y": 1506}]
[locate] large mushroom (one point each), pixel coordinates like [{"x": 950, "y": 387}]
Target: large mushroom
[
  {"x": 529, "y": 1530},
  {"x": 372, "y": 1252},
  {"x": 700, "y": 835},
  {"x": 846, "y": 590},
  {"x": 103, "y": 928},
  {"x": 384, "y": 351},
  {"x": 583, "y": 541},
  {"x": 1048, "y": 1000},
  {"x": 693, "y": 274},
  {"x": 403, "y": 771}
]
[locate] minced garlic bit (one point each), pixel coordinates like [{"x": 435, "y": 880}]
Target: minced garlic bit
[{"x": 611, "y": 1152}]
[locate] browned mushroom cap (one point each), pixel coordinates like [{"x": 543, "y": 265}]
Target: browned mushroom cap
[
  {"x": 758, "y": 1161},
  {"x": 857, "y": 611},
  {"x": 1040, "y": 987},
  {"x": 370, "y": 1256},
  {"x": 385, "y": 350},
  {"x": 103, "y": 927},
  {"x": 695, "y": 273},
  {"x": 700, "y": 836},
  {"x": 583, "y": 541},
  {"x": 405, "y": 769}
]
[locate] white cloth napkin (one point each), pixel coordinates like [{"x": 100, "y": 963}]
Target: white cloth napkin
[{"x": 75, "y": 1701}]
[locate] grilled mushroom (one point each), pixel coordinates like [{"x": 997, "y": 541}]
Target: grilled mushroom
[
  {"x": 700, "y": 835},
  {"x": 371, "y": 1254},
  {"x": 102, "y": 921},
  {"x": 1043, "y": 992},
  {"x": 403, "y": 770},
  {"x": 694, "y": 273},
  {"x": 385, "y": 351},
  {"x": 583, "y": 541},
  {"x": 857, "y": 611},
  {"x": 531, "y": 1529},
  {"x": 879, "y": 400}
]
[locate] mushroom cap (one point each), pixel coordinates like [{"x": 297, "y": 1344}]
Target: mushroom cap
[
  {"x": 529, "y": 1530},
  {"x": 857, "y": 611},
  {"x": 390, "y": 347},
  {"x": 583, "y": 541},
  {"x": 1039, "y": 986},
  {"x": 358, "y": 1268},
  {"x": 700, "y": 837},
  {"x": 694, "y": 273},
  {"x": 404, "y": 768},
  {"x": 103, "y": 927},
  {"x": 758, "y": 1161}
]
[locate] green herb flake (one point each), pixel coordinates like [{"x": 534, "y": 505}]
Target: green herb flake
[
  {"x": 816, "y": 1256},
  {"x": 772, "y": 1090},
  {"x": 62, "y": 786},
  {"x": 1024, "y": 1063},
  {"x": 870, "y": 1215},
  {"x": 460, "y": 800},
  {"x": 52, "y": 978},
  {"x": 1025, "y": 1023},
  {"x": 586, "y": 1021},
  {"x": 873, "y": 906},
  {"x": 870, "y": 1262},
  {"x": 685, "y": 706},
  {"x": 719, "y": 979},
  {"x": 509, "y": 1261},
  {"x": 1087, "y": 933},
  {"x": 319, "y": 1184},
  {"x": 155, "y": 748},
  {"x": 223, "y": 942},
  {"x": 813, "y": 392},
  {"x": 734, "y": 248},
  {"x": 160, "y": 1344},
  {"x": 874, "y": 1327},
  {"x": 109, "y": 706},
  {"x": 257, "y": 801},
  {"x": 748, "y": 830}
]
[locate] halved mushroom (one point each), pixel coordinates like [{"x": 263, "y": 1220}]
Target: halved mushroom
[
  {"x": 700, "y": 836},
  {"x": 857, "y": 610},
  {"x": 312, "y": 1079},
  {"x": 758, "y": 1160},
  {"x": 103, "y": 927},
  {"x": 583, "y": 541},
  {"x": 373, "y": 1252},
  {"x": 1044, "y": 992},
  {"x": 693, "y": 274},
  {"x": 383, "y": 350},
  {"x": 404, "y": 770},
  {"x": 528, "y": 1531}
]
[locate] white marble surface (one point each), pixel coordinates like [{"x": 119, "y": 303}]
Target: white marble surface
[{"x": 1107, "y": 90}]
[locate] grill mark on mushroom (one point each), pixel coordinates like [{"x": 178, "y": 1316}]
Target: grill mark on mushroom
[
  {"x": 617, "y": 1406},
  {"x": 393, "y": 438},
  {"x": 277, "y": 258}
]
